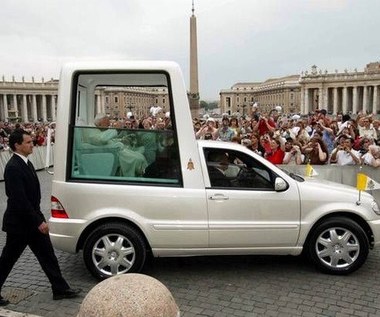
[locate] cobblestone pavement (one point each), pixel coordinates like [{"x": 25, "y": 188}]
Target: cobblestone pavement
[{"x": 209, "y": 286}]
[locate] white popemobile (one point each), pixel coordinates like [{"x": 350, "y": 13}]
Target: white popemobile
[{"x": 192, "y": 197}]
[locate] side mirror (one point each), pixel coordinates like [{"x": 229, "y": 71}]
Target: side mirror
[{"x": 280, "y": 184}]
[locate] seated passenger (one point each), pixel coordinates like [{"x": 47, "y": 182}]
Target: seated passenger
[
  {"x": 166, "y": 164},
  {"x": 101, "y": 136},
  {"x": 132, "y": 163},
  {"x": 148, "y": 139},
  {"x": 217, "y": 165}
]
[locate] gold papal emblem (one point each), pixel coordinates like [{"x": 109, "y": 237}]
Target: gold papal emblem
[{"x": 190, "y": 165}]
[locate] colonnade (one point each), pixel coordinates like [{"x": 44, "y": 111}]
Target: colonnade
[
  {"x": 27, "y": 107},
  {"x": 346, "y": 99}
]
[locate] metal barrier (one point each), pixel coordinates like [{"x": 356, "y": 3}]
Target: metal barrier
[{"x": 38, "y": 158}]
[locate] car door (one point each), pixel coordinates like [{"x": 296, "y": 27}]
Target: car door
[{"x": 249, "y": 213}]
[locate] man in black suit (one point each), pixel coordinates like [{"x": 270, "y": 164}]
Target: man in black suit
[
  {"x": 23, "y": 220},
  {"x": 217, "y": 163}
]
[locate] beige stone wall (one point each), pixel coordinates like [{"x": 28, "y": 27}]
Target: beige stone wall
[
  {"x": 338, "y": 92},
  {"x": 284, "y": 92}
]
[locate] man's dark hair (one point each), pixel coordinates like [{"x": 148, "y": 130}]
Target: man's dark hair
[
  {"x": 17, "y": 136},
  {"x": 346, "y": 117}
]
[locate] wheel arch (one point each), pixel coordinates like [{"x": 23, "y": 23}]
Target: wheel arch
[
  {"x": 359, "y": 220},
  {"x": 90, "y": 228}
]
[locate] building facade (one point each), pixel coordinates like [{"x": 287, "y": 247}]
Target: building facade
[
  {"x": 28, "y": 101},
  {"x": 347, "y": 92},
  {"x": 119, "y": 102},
  {"x": 284, "y": 92},
  {"x": 22, "y": 101},
  {"x": 340, "y": 92}
]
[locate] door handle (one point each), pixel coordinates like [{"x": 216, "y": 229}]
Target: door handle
[{"x": 218, "y": 197}]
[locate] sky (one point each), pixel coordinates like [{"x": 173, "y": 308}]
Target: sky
[{"x": 238, "y": 40}]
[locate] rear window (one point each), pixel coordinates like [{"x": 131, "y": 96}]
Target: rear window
[{"x": 122, "y": 129}]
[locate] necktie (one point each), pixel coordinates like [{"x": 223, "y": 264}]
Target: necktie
[{"x": 32, "y": 168}]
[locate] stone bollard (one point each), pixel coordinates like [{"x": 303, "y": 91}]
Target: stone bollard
[{"x": 129, "y": 295}]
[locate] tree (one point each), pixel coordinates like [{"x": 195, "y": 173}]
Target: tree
[
  {"x": 203, "y": 104},
  {"x": 208, "y": 105}
]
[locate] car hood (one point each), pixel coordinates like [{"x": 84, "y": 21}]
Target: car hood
[{"x": 325, "y": 190}]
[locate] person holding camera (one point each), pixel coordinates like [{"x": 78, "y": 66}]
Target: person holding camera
[
  {"x": 207, "y": 129},
  {"x": 276, "y": 154},
  {"x": 293, "y": 155},
  {"x": 344, "y": 154},
  {"x": 328, "y": 136},
  {"x": 315, "y": 151},
  {"x": 372, "y": 156},
  {"x": 265, "y": 125}
]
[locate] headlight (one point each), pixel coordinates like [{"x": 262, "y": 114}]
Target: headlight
[{"x": 375, "y": 207}]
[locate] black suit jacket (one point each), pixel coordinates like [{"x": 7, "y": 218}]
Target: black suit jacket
[
  {"x": 217, "y": 178},
  {"x": 22, "y": 188}
]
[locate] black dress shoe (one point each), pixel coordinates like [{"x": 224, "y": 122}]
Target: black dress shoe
[
  {"x": 3, "y": 301},
  {"x": 68, "y": 293}
]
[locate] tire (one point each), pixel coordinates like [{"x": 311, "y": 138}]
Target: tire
[
  {"x": 113, "y": 249},
  {"x": 338, "y": 246}
]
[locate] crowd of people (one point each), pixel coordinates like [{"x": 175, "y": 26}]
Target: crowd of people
[
  {"x": 38, "y": 132},
  {"x": 317, "y": 138}
]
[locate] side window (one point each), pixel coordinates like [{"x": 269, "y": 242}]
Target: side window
[
  {"x": 126, "y": 143},
  {"x": 237, "y": 170}
]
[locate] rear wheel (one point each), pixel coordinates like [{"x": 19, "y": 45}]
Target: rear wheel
[
  {"x": 338, "y": 246},
  {"x": 113, "y": 249}
]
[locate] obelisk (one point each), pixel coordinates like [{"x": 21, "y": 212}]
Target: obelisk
[{"x": 194, "y": 88}]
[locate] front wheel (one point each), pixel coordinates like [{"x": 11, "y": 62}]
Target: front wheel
[
  {"x": 338, "y": 246},
  {"x": 113, "y": 249}
]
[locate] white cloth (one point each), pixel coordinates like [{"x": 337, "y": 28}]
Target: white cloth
[
  {"x": 367, "y": 159},
  {"x": 292, "y": 158},
  {"x": 154, "y": 110},
  {"x": 132, "y": 163},
  {"x": 99, "y": 137},
  {"x": 344, "y": 158}
]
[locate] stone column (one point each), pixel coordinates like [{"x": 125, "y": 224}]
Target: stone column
[
  {"x": 24, "y": 110},
  {"x": 355, "y": 100},
  {"x": 326, "y": 99},
  {"x": 335, "y": 105},
  {"x": 44, "y": 112},
  {"x": 52, "y": 108},
  {"x": 375, "y": 99},
  {"x": 98, "y": 103},
  {"x": 302, "y": 106},
  {"x": 102, "y": 104},
  {"x": 307, "y": 101},
  {"x": 5, "y": 103},
  {"x": 344, "y": 100},
  {"x": 15, "y": 108},
  {"x": 320, "y": 98},
  {"x": 365, "y": 99},
  {"x": 34, "y": 108}
]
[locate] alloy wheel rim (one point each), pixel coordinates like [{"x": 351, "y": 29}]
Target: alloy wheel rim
[
  {"x": 337, "y": 247},
  {"x": 113, "y": 254}
]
